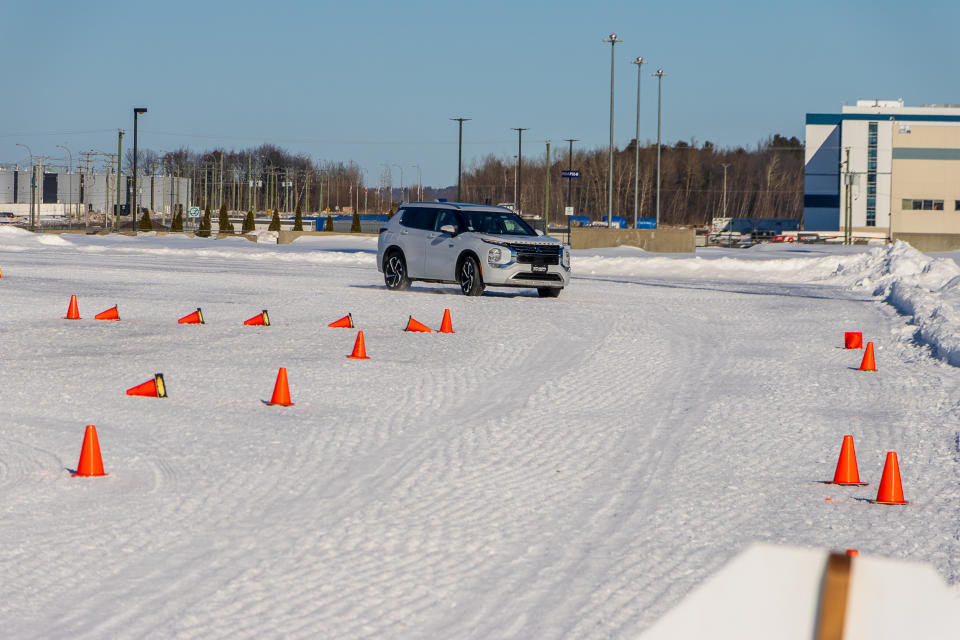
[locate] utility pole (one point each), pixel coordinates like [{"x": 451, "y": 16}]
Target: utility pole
[
  {"x": 659, "y": 76},
  {"x": 546, "y": 198},
  {"x": 569, "y": 180},
  {"x": 847, "y": 201},
  {"x": 459, "y": 160},
  {"x": 519, "y": 190},
  {"x": 119, "y": 175},
  {"x": 220, "y": 198}
]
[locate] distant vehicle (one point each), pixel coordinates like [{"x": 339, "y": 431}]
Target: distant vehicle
[
  {"x": 474, "y": 246},
  {"x": 7, "y": 217}
]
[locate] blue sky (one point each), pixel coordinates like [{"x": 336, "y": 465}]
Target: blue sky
[{"x": 377, "y": 82}]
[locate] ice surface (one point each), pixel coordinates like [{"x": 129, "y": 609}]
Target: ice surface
[{"x": 555, "y": 468}]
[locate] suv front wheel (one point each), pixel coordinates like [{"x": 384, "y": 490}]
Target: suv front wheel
[
  {"x": 469, "y": 275},
  {"x": 395, "y": 272}
]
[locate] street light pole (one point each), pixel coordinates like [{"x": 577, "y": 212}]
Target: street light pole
[
  {"x": 659, "y": 76},
  {"x": 613, "y": 40},
  {"x": 119, "y": 165},
  {"x": 636, "y": 146},
  {"x": 459, "y": 158},
  {"x": 69, "y": 171},
  {"x": 519, "y": 190},
  {"x": 135, "y": 205},
  {"x": 725, "y": 165},
  {"x": 419, "y": 184},
  {"x": 401, "y": 182}
]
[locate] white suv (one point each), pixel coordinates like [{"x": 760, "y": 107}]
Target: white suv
[{"x": 470, "y": 245}]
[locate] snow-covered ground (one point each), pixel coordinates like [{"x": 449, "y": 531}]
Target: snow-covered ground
[{"x": 555, "y": 468}]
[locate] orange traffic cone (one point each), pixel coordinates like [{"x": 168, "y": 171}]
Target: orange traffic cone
[
  {"x": 359, "y": 349},
  {"x": 868, "y": 364},
  {"x": 414, "y": 325},
  {"x": 192, "y": 318},
  {"x": 109, "y": 314},
  {"x": 853, "y": 553},
  {"x": 852, "y": 340},
  {"x": 91, "y": 464},
  {"x": 890, "y": 491},
  {"x": 346, "y": 322},
  {"x": 281, "y": 391},
  {"x": 1, "y": 273},
  {"x": 847, "y": 473},
  {"x": 446, "y": 326},
  {"x": 150, "y": 389},
  {"x": 261, "y": 319},
  {"x": 72, "y": 312}
]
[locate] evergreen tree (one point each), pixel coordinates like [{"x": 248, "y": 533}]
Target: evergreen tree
[
  {"x": 205, "y": 224},
  {"x": 249, "y": 224},
  {"x": 328, "y": 225},
  {"x": 355, "y": 225},
  {"x": 225, "y": 225},
  {"x": 177, "y": 224},
  {"x": 145, "y": 223},
  {"x": 298, "y": 220},
  {"x": 275, "y": 221}
]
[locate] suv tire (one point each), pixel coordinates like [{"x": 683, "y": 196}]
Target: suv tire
[
  {"x": 469, "y": 277},
  {"x": 395, "y": 272},
  {"x": 548, "y": 292}
]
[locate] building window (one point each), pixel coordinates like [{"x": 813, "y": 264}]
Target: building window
[
  {"x": 914, "y": 204},
  {"x": 872, "y": 174}
]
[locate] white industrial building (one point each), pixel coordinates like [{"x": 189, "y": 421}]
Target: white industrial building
[{"x": 901, "y": 165}]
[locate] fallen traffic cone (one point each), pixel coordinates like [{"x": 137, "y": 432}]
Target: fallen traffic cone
[
  {"x": 890, "y": 492},
  {"x": 109, "y": 314},
  {"x": 359, "y": 349},
  {"x": 192, "y": 318},
  {"x": 261, "y": 319},
  {"x": 281, "y": 391},
  {"x": 72, "y": 312},
  {"x": 847, "y": 473},
  {"x": 346, "y": 322},
  {"x": 446, "y": 326},
  {"x": 852, "y": 340},
  {"x": 414, "y": 325},
  {"x": 150, "y": 389},
  {"x": 868, "y": 364},
  {"x": 91, "y": 464}
]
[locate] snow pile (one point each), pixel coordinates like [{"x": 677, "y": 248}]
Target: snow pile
[{"x": 924, "y": 288}]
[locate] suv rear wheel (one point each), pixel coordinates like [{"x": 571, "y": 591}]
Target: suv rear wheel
[
  {"x": 469, "y": 276},
  {"x": 395, "y": 272}
]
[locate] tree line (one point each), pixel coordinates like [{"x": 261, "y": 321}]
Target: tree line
[
  {"x": 763, "y": 182},
  {"x": 766, "y": 181}
]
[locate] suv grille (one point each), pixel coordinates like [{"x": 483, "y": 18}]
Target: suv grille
[
  {"x": 539, "y": 254},
  {"x": 551, "y": 277}
]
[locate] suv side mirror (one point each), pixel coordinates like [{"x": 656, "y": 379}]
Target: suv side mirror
[
  {"x": 448, "y": 229},
  {"x": 539, "y": 233}
]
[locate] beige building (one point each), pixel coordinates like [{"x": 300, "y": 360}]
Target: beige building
[{"x": 887, "y": 170}]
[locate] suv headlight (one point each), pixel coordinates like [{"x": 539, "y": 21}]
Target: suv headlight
[
  {"x": 501, "y": 256},
  {"x": 495, "y": 255},
  {"x": 565, "y": 257}
]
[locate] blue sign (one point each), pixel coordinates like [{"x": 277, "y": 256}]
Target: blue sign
[{"x": 572, "y": 173}]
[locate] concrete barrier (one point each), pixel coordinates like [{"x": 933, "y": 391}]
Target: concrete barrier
[
  {"x": 654, "y": 240},
  {"x": 286, "y": 237}
]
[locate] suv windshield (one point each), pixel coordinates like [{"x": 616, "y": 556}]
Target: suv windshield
[{"x": 495, "y": 222}]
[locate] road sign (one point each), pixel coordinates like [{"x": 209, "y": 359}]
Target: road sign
[
  {"x": 571, "y": 173},
  {"x": 194, "y": 212},
  {"x": 568, "y": 211}
]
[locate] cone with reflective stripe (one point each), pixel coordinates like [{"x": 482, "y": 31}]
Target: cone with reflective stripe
[
  {"x": 867, "y": 364},
  {"x": 73, "y": 313},
  {"x": 847, "y": 473},
  {"x": 281, "y": 390},
  {"x": 109, "y": 314},
  {"x": 150, "y": 389},
  {"x": 90, "y": 464},
  {"x": 346, "y": 322},
  {"x": 890, "y": 491},
  {"x": 192, "y": 318},
  {"x": 447, "y": 325},
  {"x": 414, "y": 325},
  {"x": 261, "y": 319},
  {"x": 359, "y": 349},
  {"x": 852, "y": 340}
]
